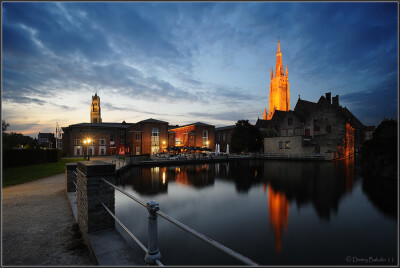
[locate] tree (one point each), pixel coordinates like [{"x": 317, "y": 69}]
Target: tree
[
  {"x": 379, "y": 154},
  {"x": 4, "y": 125},
  {"x": 246, "y": 137}
]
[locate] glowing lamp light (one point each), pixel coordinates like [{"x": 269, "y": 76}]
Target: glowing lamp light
[{"x": 163, "y": 142}]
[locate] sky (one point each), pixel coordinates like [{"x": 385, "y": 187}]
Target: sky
[{"x": 188, "y": 62}]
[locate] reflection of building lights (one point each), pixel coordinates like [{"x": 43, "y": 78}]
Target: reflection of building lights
[
  {"x": 255, "y": 174},
  {"x": 163, "y": 177}
]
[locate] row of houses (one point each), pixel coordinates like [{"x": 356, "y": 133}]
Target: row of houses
[
  {"x": 147, "y": 137},
  {"x": 322, "y": 127}
]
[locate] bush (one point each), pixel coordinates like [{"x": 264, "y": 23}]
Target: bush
[{"x": 16, "y": 158}]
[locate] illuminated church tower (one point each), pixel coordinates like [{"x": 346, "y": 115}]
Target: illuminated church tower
[
  {"x": 279, "y": 97},
  {"x": 95, "y": 115}
]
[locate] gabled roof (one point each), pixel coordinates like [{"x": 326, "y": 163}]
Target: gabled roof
[
  {"x": 307, "y": 105},
  {"x": 45, "y": 135},
  {"x": 349, "y": 116},
  {"x": 103, "y": 125},
  {"x": 279, "y": 115},
  {"x": 151, "y": 120},
  {"x": 225, "y": 128},
  {"x": 200, "y": 124}
]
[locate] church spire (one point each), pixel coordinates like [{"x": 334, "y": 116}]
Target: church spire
[
  {"x": 279, "y": 66},
  {"x": 286, "y": 72},
  {"x": 272, "y": 73},
  {"x": 265, "y": 114}
]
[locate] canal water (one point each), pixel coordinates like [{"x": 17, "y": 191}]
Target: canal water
[{"x": 273, "y": 212}]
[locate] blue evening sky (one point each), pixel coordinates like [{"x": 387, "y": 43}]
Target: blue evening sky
[{"x": 188, "y": 62}]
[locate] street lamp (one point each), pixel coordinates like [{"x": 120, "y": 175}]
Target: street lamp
[
  {"x": 87, "y": 142},
  {"x": 207, "y": 143}
]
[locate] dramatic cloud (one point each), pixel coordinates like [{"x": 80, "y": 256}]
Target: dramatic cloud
[{"x": 180, "y": 61}]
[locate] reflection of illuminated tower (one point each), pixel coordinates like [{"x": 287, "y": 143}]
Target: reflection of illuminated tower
[
  {"x": 279, "y": 97},
  {"x": 278, "y": 214},
  {"x": 95, "y": 112}
]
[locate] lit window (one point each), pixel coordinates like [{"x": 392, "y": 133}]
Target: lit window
[
  {"x": 205, "y": 138},
  {"x": 287, "y": 144},
  {"x": 155, "y": 137}
]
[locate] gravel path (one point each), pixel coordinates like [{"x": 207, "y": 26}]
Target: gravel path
[{"x": 38, "y": 226}]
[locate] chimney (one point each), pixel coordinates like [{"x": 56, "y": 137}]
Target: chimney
[
  {"x": 328, "y": 97},
  {"x": 335, "y": 100}
]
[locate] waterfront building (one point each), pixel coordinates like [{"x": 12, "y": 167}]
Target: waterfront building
[
  {"x": 105, "y": 139},
  {"x": 279, "y": 96},
  {"x": 323, "y": 127},
  {"x": 193, "y": 135},
  {"x": 223, "y": 136},
  {"x": 146, "y": 137}
]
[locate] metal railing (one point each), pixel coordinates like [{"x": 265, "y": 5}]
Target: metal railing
[{"x": 153, "y": 254}]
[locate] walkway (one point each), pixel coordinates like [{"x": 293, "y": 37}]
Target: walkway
[{"x": 38, "y": 226}]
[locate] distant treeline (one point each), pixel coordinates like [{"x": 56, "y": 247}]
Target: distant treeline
[{"x": 22, "y": 157}]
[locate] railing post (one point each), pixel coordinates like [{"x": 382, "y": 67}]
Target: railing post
[{"x": 152, "y": 240}]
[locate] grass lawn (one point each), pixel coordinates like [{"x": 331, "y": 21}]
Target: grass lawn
[{"x": 18, "y": 175}]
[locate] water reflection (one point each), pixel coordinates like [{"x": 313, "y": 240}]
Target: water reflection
[
  {"x": 146, "y": 181},
  {"x": 278, "y": 207},
  {"x": 154, "y": 180},
  {"x": 246, "y": 204},
  {"x": 383, "y": 195},
  {"x": 323, "y": 184}
]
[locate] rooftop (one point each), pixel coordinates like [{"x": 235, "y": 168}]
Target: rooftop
[
  {"x": 225, "y": 128},
  {"x": 200, "y": 124},
  {"x": 104, "y": 125},
  {"x": 151, "y": 120}
]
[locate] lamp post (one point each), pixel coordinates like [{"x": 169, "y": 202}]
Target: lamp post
[
  {"x": 87, "y": 149},
  {"x": 87, "y": 142},
  {"x": 84, "y": 157}
]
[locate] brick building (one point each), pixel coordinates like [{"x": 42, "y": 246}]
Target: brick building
[
  {"x": 145, "y": 137},
  {"x": 149, "y": 136},
  {"x": 195, "y": 135},
  {"x": 105, "y": 139},
  {"x": 223, "y": 136}
]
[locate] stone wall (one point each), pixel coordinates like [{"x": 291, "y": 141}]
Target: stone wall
[
  {"x": 91, "y": 192},
  {"x": 70, "y": 176},
  {"x": 271, "y": 145}
]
